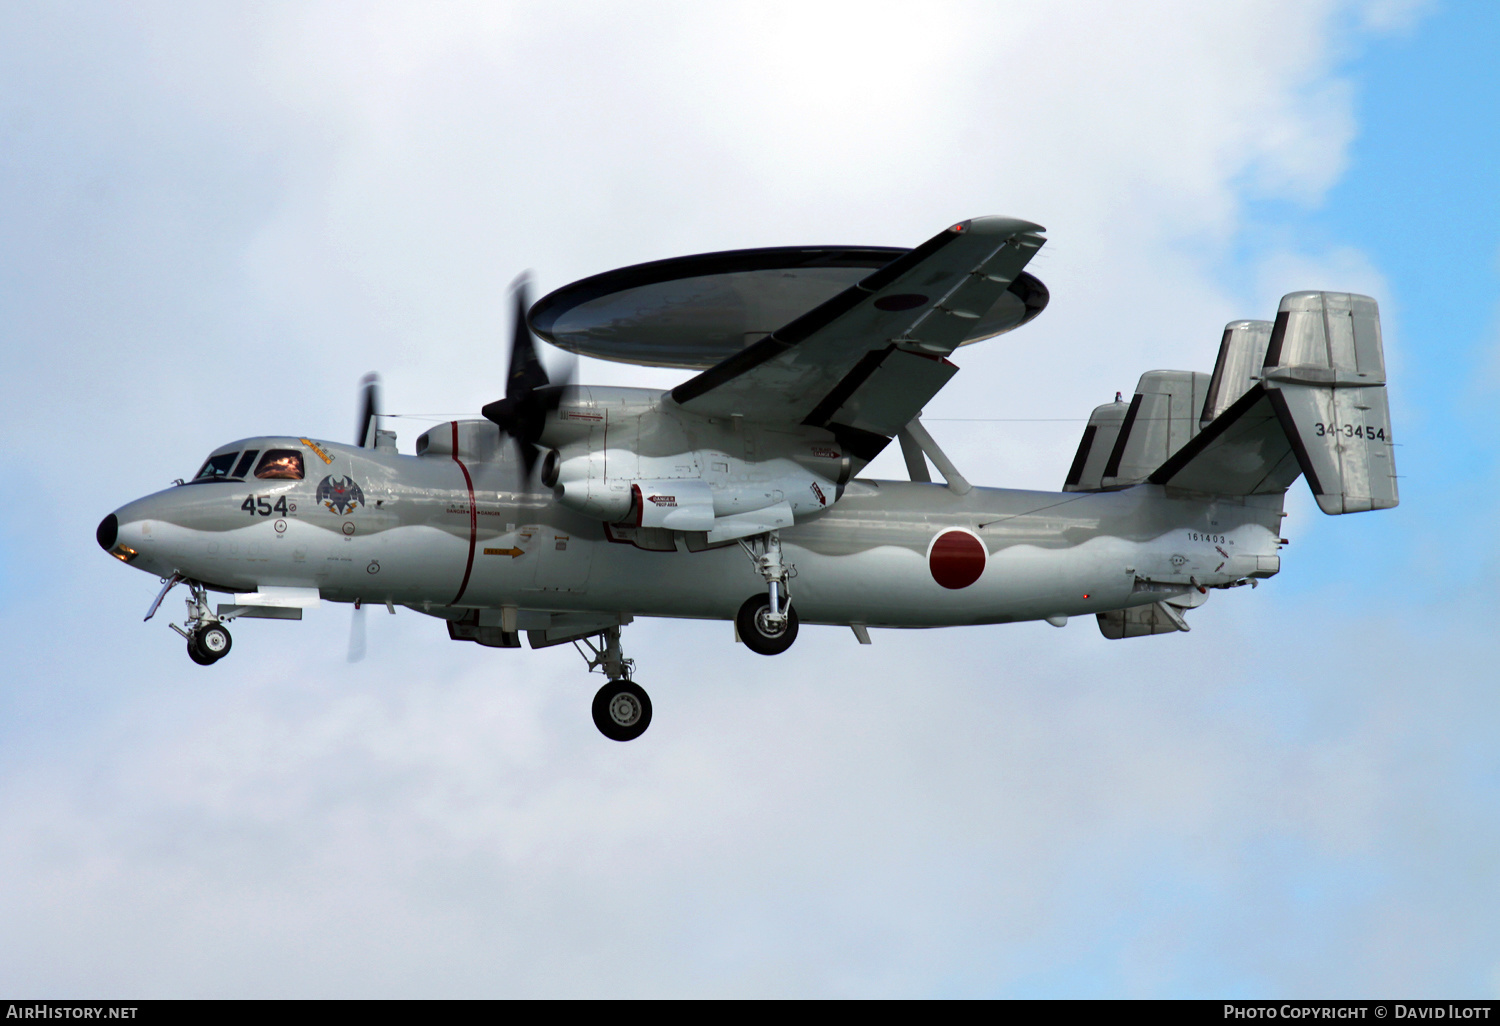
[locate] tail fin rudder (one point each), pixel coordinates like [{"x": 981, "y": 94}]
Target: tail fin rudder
[
  {"x": 1328, "y": 364},
  {"x": 1319, "y": 408}
]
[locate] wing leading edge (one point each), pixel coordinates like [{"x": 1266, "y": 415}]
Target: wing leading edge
[{"x": 864, "y": 363}]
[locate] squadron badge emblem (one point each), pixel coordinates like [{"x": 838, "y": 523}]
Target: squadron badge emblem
[{"x": 340, "y": 494}]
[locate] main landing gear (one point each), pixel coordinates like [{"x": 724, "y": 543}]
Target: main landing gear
[
  {"x": 767, "y": 623},
  {"x": 622, "y": 709},
  {"x": 208, "y": 639},
  {"x": 761, "y": 629}
]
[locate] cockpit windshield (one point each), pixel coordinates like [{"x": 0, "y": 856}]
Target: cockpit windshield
[
  {"x": 245, "y": 463},
  {"x": 217, "y": 468},
  {"x": 280, "y": 464},
  {"x": 274, "y": 465}
]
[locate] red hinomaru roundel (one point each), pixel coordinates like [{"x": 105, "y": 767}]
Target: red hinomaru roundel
[{"x": 956, "y": 558}]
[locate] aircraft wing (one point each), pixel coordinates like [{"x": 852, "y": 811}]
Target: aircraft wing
[{"x": 864, "y": 363}]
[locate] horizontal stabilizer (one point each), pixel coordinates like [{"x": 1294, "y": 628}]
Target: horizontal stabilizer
[
  {"x": 1245, "y": 451},
  {"x": 1319, "y": 409}
]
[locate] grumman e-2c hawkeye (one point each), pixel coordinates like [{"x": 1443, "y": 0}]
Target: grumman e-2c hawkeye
[{"x": 569, "y": 510}]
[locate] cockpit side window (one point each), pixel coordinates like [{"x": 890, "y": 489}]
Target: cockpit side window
[
  {"x": 283, "y": 464},
  {"x": 217, "y": 467},
  {"x": 245, "y": 461}
]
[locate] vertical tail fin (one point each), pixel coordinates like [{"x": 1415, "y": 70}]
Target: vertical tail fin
[
  {"x": 1098, "y": 443},
  {"x": 1242, "y": 353},
  {"x": 1123, "y": 444},
  {"x": 1162, "y": 418},
  {"x": 1325, "y": 369},
  {"x": 1319, "y": 408}
]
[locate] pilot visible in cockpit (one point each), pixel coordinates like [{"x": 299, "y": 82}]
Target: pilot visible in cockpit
[
  {"x": 275, "y": 465},
  {"x": 280, "y": 464}
]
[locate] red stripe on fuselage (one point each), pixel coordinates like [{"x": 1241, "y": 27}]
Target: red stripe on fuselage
[{"x": 473, "y": 519}]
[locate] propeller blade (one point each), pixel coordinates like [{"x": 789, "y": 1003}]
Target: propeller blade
[
  {"x": 529, "y": 393},
  {"x": 357, "y": 633},
  {"x": 528, "y": 454},
  {"x": 369, "y": 410},
  {"x": 526, "y": 371}
]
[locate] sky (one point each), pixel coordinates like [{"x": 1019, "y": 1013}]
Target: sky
[{"x": 214, "y": 219}]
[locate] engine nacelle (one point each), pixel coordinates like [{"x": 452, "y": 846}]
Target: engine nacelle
[
  {"x": 702, "y": 490},
  {"x": 631, "y": 456}
]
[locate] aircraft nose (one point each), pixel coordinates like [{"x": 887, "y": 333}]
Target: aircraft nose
[
  {"x": 109, "y": 532},
  {"x": 132, "y": 533}
]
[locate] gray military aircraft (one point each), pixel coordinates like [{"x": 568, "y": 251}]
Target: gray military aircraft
[{"x": 569, "y": 510}]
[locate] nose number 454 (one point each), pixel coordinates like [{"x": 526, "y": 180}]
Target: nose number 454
[{"x": 262, "y": 506}]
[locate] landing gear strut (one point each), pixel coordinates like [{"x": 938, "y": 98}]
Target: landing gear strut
[
  {"x": 767, "y": 623},
  {"x": 208, "y": 639},
  {"x": 622, "y": 709}
]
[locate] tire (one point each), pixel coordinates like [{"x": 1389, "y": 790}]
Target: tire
[
  {"x": 754, "y": 632},
  {"x": 622, "y": 710},
  {"x": 194, "y": 655},
  {"x": 212, "y": 642}
]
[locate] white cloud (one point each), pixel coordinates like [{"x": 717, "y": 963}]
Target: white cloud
[{"x": 890, "y": 828}]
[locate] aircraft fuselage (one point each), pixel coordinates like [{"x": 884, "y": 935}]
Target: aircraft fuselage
[{"x": 446, "y": 535}]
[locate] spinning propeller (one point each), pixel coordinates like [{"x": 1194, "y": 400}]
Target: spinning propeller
[
  {"x": 369, "y": 411},
  {"x": 529, "y": 396},
  {"x": 369, "y": 422},
  {"x": 529, "y": 393}
]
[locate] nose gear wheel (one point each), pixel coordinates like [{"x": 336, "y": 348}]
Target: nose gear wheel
[
  {"x": 212, "y": 642},
  {"x": 196, "y": 656},
  {"x": 207, "y": 638}
]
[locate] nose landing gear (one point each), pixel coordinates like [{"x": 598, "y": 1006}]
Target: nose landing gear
[
  {"x": 207, "y": 645},
  {"x": 207, "y": 638}
]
